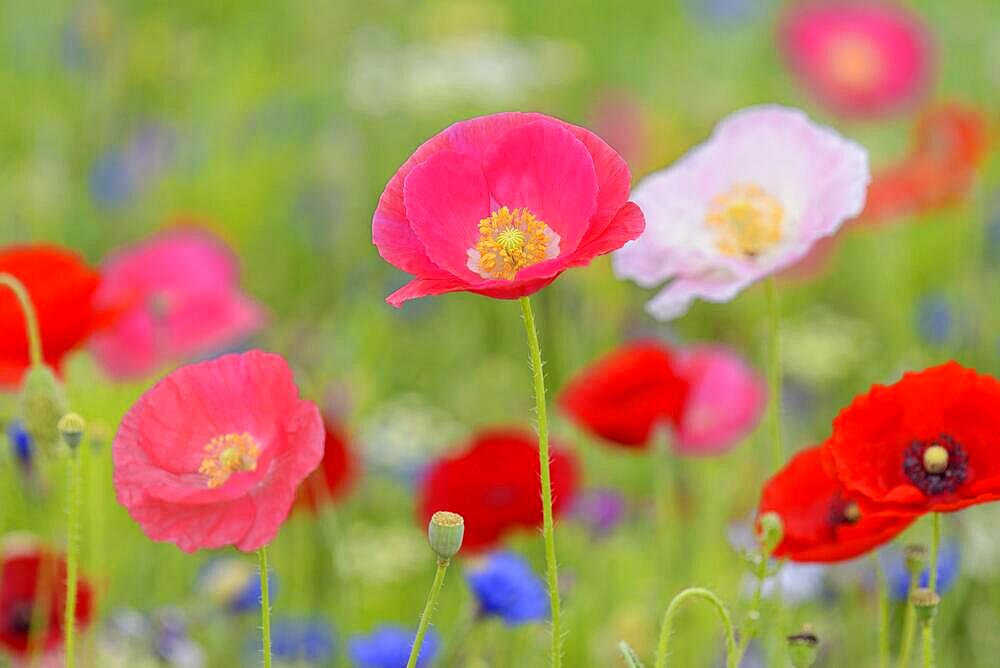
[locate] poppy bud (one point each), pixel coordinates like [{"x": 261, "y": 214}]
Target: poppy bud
[
  {"x": 71, "y": 428},
  {"x": 770, "y": 531},
  {"x": 925, "y": 602},
  {"x": 41, "y": 404},
  {"x": 803, "y": 648},
  {"x": 445, "y": 533},
  {"x": 916, "y": 559}
]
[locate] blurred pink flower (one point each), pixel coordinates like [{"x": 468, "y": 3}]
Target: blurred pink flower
[
  {"x": 177, "y": 296},
  {"x": 725, "y": 399},
  {"x": 859, "y": 58},
  {"x": 750, "y": 201}
]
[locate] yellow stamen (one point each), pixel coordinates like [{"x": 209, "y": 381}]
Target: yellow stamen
[
  {"x": 228, "y": 454},
  {"x": 510, "y": 241},
  {"x": 746, "y": 219},
  {"x": 854, "y": 61},
  {"x": 935, "y": 459}
]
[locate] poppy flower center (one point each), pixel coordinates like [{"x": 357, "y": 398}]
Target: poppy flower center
[
  {"x": 228, "y": 454},
  {"x": 510, "y": 241},
  {"x": 936, "y": 466},
  {"x": 19, "y": 619},
  {"x": 746, "y": 220},
  {"x": 843, "y": 512},
  {"x": 854, "y": 61}
]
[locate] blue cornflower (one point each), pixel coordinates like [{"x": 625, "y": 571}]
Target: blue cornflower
[
  {"x": 234, "y": 584},
  {"x": 301, "y": 640},
  {"x": 899, "y": 578},
  {"x": 388, "y": 646},
  {"x": 20, "y": 442},
  {"x": 935, "y": 319},
  {"x": 506, "y": 587}
]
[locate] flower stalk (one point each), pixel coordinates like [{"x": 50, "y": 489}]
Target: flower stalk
[
  {"x": 425, "y": 618},
  {"x": 30, "y": 317},
  {"x": 732, "y": 656},
  {"x": 774, "y": 373},
  {"x": 265, "y": 606},
  {"x": 548, "y": 526}
]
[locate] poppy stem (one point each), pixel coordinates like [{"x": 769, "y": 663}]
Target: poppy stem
[
  {"x": 732, "y": 656},
  {"x": 548, "y": 527},
  {"x": 883, "y": 614},
  {"x": 30, "y": 318},
  {"x": 425, "y": 618},
  {"x": 265, "y": 606},
  {"x": 774, "y": 372},
  {"x": 72, "y": 554},
  {"x": 928, "y": 627},
  {"x": 909, "y": 625}
]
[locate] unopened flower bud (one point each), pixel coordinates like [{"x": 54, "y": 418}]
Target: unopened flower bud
[
  {"x": 803, "y": 648},
  {"x": 916, "y": 559},
  {"x": 925, "y": 602},
  {"x": 41, "y": 404},
  {"x": 770, "y": 531},
  {"x": 445, "y": 533},
  {"x": 71, "y": 428}
]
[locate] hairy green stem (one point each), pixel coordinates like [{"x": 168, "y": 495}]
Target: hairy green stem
[
  {"x": 548, "y": 526},
  {"x": 662, "y": 646},
  {"x": 883, "y": 614},
  {"x": 928, "y": 629},
  {"x": 774, "y": 374},
  {"x": 265, "y": 606},
  {"x": 909, "y": 626},
  {"x": 30, "y": 318},
  {"x": 425, "y": 618},
  {"x": 72, "y": 555}
]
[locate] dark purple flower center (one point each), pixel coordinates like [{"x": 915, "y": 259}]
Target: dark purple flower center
[
  {"x": 937, "y": 465},
  {"x": 19, "y": 619},
  {"x": 843, "y": 511}
]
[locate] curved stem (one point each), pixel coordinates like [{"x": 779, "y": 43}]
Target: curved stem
[
  {"x": 265, "y": 606},
  {"x": 883, "y": 615},
  {"x": 30, "y": 318},
  {"x": 668, "y": 619},
  {"x": 425, "y": 618},
  {"x": 548, "y": 527},
  {"x": 72, "y": 555},
  {"x": 774, "y": 374},
  {"x": 909, "y": 626}
]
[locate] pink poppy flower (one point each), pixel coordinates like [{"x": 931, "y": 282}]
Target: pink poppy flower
[
  {"x": 500, "y": 205},
  {"x": 750, "y": 201},
  {"x": 177, "y": 296},
  {"x": 725, "y": 399},
  {"x": 213, "y": 453},
  {"x": 860, "y": 58}
]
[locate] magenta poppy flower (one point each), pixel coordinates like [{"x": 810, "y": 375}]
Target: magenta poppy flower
[
  {"x": 500, "y": 205},
  {"x": 213, "y": 453},
  {"x": 724, "y": 401},
  {"x": 860, "y": 58},
  {"x": 176, "y": 296}
]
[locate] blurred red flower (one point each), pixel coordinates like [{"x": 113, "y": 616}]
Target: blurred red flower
[
  {"x": 949, "y": 144},
  {"x": 822, "y": 523},
  {"x": 501, "y": 205},
  {"x": 493, "y": 482},
  {"x": 925, "y": 443},
  {"x": 336, "y": 474},
  {"x": 212, "y": 455},
  {"x": 30, "y": 576},
  {"x": 61, "y": 287},
  {"x": 708, "y": 395}
]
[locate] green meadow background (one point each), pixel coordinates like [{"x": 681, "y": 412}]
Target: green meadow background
[{"x": 279, "y": 124}]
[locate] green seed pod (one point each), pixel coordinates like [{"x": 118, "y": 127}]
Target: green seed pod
[
  {"x": 445, "y": 533},
  {"x": 916, "y": 559},
  {"x": 71, "y": 427},
  {"x": 803, "y": 648},
  {"x": 41, "y": 403},
  {"x": 925, "y": 602}
]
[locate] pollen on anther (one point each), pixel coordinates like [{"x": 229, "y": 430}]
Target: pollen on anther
[{"x": 227, "y": 454}]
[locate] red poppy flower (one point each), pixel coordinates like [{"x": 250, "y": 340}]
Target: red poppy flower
[
  {"x": 949, "y": 144},
  {"x": 493, "y": 483},
  {"x": 625, "y": 395},
  {"x": 501, "y": 205},
  {"x": 61, "y": 288},
  {"x": 822, "y": 522},
  {"x": 925, "y": 443},
  {"x": 708, "y": 395},
  {"x": 213, "y": 453},
  {"x": 30, "y": 576},
  {"x": 336, "y": 474}
]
